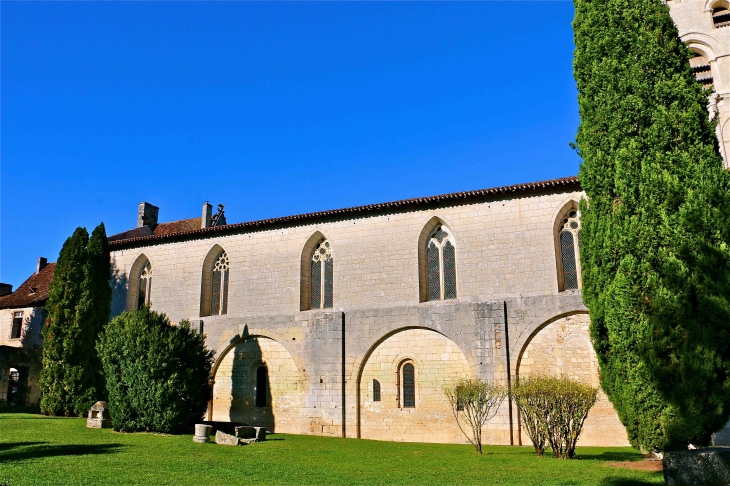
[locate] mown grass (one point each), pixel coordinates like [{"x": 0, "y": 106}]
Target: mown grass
[{"x": 40, "y": 450}]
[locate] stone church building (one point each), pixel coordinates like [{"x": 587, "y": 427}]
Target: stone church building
[{"x": 348, "y": 322}]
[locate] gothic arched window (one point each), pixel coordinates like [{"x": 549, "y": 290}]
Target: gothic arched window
[
  {"x": 262, "y": 384},
  {"x": 408, "y": 385},
  {"x": 569, "y": 246},
  {"x": 145, "y": 285},
  {"x": 441, "y": 265},
  {"x": 219, "y": 286},
  {"x": 322, "y": 272},
  {"x": 376, "y": 391}
]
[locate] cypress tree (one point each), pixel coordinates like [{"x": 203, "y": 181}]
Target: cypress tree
[
  {"x": 97, "y": 278},
  {"x": 655, "y": 254},
  {"x": 78, "y": 307}
]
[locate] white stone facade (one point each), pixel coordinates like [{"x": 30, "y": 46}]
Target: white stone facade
[
  {"x": 699, "y": 28},
  {"x": 321, "y": 363}
]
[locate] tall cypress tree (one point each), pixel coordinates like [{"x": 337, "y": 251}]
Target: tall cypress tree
[
  {"x": 78, "y": 307},
  {"x": 97, "y": 277},
  {"x": 655, "y": 254}
]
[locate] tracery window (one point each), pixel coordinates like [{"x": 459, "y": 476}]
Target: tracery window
[
  {"x": 145, "y": 285},
  {"x": 262, "y": 384},
  {"x": 322, "y": 272},
  {"x": 441, "y": 265},
  {"x": 219, "y": 286},
  {"x": 408, "y": 385},
  {"x": 376, "y": 391},
  {"x": 569, "y": 241}
]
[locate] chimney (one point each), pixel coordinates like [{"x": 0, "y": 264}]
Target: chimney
[
  {"x": 5, "y": 289},
  {"x": 207, "y": 215},
  {"x": 42, "y": 262},
  {"x": 147, "y": 215}
]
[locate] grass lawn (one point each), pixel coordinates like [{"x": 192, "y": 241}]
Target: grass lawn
[{"x": 41, "y": 450}]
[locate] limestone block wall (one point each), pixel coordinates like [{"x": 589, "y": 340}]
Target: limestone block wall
[
  {"x": 437, "y": 361},
  {"x": 235, "y": 387},
  {"x": 504, "y": 248},
  {"x": 563, "y": 347}
]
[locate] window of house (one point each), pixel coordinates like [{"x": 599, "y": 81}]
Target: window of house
[
  {"x": 262, "y": 384},
  {"x": 322, "y": 272},
  {"x": 17, "y": 325},
  {"x": 219, "y": 287},
  {"x": 721, "y": 14},
  {"x": 408, "y": 385},
  {"x": 441, "y": 265},
  {"x": 569, "y": 244},
  {"x": 145, "y": 285},
  {"x": 376, "y": 391}
]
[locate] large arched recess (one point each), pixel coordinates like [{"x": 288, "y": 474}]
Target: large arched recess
[
  {"x": 562, "y": 345},
  {"x": 234, "y": 378},
  {"x": 133, "y": 289},
  {"x": 437, "y": 360}
]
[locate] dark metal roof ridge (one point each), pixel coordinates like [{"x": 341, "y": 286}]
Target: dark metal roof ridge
[{"x": 529, "y": 186}]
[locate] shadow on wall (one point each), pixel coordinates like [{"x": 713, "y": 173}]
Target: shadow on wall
[
  {"x": 250, "y": 386},
  {"x": 119, "y": 283}
]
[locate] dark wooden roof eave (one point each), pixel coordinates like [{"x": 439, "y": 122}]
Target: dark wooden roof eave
[{"x": 356, "y": 211}]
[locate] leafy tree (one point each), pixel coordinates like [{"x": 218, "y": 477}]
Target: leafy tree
[
  {"x": 157, "y": 374},
  {"x": 655, "y": 255},
  {"x": 475, "y": 402}
]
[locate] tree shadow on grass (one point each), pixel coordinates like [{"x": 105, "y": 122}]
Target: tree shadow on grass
[
  {"x": 18, "y": 451},
  {"x": 631, "y": 481},
  {"x": 614, "y": 456}
]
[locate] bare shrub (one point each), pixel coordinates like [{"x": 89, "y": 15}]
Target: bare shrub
[
  {"x": 475, "y": 402},
  {"x": 553, "y": 411}
]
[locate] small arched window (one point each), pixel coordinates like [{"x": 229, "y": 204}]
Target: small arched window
[
  {"x": 262, "y": 383},
  {"x": 219, "y": 286},
  {"x": 441, "y": 265},
  {"x": 376, "y": 391},
  {"x": 145, "y": 286},
  {"x": 569, "y": 245},
  {"x": 408, "y": 385},
  {"x": 322, "y": 273},
  {"x": 721, "y": 14}
]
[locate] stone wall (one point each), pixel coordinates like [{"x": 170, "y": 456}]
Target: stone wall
[{"x": 22, "y": 353}]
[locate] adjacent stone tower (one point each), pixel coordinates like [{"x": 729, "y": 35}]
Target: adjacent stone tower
[{"x": 704, "y": 25}]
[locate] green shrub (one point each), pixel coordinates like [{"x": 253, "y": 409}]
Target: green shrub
[
  {"x": 157, "y": 374},
  {"x": 553, "y": 411},
  {"x": 474, "y": 401},
  {"x": 655, "y": 242}
]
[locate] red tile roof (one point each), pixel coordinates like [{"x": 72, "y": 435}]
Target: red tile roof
[
  {"x": 184, "y": 229},
  {"x": 31, "y": 293}
]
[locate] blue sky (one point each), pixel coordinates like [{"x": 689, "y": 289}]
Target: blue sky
[{"x": 272, "y": 108}]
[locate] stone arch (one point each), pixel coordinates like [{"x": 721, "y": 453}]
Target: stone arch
[
  {"x": 423, "y": 237},
  {"x": 562, "y": 346},
  {"x": 206, "y": 278},
  {"x": 305, "y": 275},
  {"x": 437, "y": 359},
  {"x": 567, "y": 208},
  {"x": 134, "y": 273},
  {"x": 234, "y": 379},
  {"x": 702, "y": 43}
]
